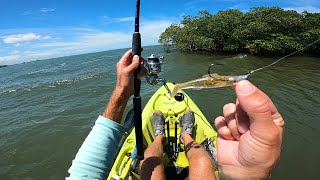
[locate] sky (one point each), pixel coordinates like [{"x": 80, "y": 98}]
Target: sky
[{"x": 42, "y": 29}]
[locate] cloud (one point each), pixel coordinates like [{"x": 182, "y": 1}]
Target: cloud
[
  {"x": 124, "y": 19},
  {"x": 151, "y": 30},
  {"x": 101, "y": 40},
  {"x": 79, "y": 40},
  {"x": 9, "y": 58},
  {"x": 310, "y": 9},
  {"x": 26, "y": 56},
  {"x": 58, "y": 44},
  {"x": 45, "y": 10},
  {"x": 104, "y": 39},
  {"x": 90, "y": 42},
  {"x": 19, "y": 38},
  {"x": 34, "y": 12},
  {"x": 117, "y": 20},
  {"x": 37, "y": 55},
  {"x": 15, "y": 52}
]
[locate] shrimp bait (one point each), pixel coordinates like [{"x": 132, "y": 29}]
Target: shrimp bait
[{"x": 209, "y": 81}]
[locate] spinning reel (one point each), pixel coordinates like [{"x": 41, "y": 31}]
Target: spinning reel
[{"x": 153, "y": 65}]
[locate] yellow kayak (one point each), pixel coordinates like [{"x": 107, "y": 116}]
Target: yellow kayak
[{"x": 174, "y": 158}]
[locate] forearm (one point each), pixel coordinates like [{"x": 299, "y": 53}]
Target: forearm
[
  {"x": 95, "y": 157},
  {"x": 116, "y": 106}
]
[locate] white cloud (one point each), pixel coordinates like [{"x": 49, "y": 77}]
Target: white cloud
[
  {"x": 310, "y": 9},
  {"x": 124, "y": 19},
  {"x": 58, "y": 44},
  {"x": 9, "y": 58},
  {"x": 83, "y": 29},
  {"x": 45, "y": 10},
  {"x": 117, "y": 20},
  {"x": 26, "y": 56},
  {"x": 151, "y": 30},
  {"x": 34, "y": 12},
  {"x": 104, "y": 39},
  {"x": 15, "y": 52},
  {"x": 39, "y": 55},
  {"x": 92, "y": 41},
  {"x": 18, "y": 38},
  {"x": 78, "y": 41}
]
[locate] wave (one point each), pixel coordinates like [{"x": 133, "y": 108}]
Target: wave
[
  {"x": 240, "y": 56},
  {"x": 47, "y": 85}
]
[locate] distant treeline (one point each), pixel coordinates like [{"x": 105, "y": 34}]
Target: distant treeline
[{"x": 262, "y": 31}]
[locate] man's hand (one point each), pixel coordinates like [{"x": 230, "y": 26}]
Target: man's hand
[
  {"x": 124, "y": 88},
  {"x": 250, "y": 135},
  {"x": 125, "y": 72}
]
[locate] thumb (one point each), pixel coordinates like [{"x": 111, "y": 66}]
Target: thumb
[
  {"x": 257, "y": 105},
  {"x": 135, "y": 64}
]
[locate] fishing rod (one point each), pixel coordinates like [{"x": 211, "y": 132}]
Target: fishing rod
[
  {"x": 153, "y": 65},
  {"x": 136, "y": 50}
]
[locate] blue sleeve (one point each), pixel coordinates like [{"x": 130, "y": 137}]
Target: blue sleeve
[{"x": 95, "y": 157}]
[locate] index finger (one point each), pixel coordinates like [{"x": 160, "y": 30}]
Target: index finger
[{"x": 126, "y": 59}]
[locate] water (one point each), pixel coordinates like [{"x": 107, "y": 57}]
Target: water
[{"x": 48, "y": 107}]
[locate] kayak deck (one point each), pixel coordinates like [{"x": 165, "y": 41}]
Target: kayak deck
[{"x": 174, "y": 155}]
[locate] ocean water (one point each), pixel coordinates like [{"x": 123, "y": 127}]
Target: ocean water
[{"x": 48, "y": 107}]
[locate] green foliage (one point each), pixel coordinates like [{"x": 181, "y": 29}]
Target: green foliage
[{"x": 263, "y": 30}]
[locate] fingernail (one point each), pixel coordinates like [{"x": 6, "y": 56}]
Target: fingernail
[
  {"x": 135, "y": 57},
  {"x": 245, "y": 88}
]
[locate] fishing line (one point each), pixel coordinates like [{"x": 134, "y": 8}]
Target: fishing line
[{"x": 284, "y": 57}]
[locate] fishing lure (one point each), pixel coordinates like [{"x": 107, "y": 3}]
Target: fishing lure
[
  {"x": 209, "y": 81},
  {"x": 217, "y": 81}
]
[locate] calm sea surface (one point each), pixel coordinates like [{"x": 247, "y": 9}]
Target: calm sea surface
[{"x": 48, "y": 107}]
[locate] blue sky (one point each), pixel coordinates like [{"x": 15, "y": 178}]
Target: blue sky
[{"x": 42, "y": 29}]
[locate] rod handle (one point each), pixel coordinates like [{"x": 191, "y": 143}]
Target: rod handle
[{"x": 136, "y": 44}]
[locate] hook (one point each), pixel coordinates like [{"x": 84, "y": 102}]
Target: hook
[{"x": 210, "y": 69}]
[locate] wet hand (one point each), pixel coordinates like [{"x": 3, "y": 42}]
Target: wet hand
[
  {"x": 250, "y": 135},
  {"x": 125, "y": 72}
]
